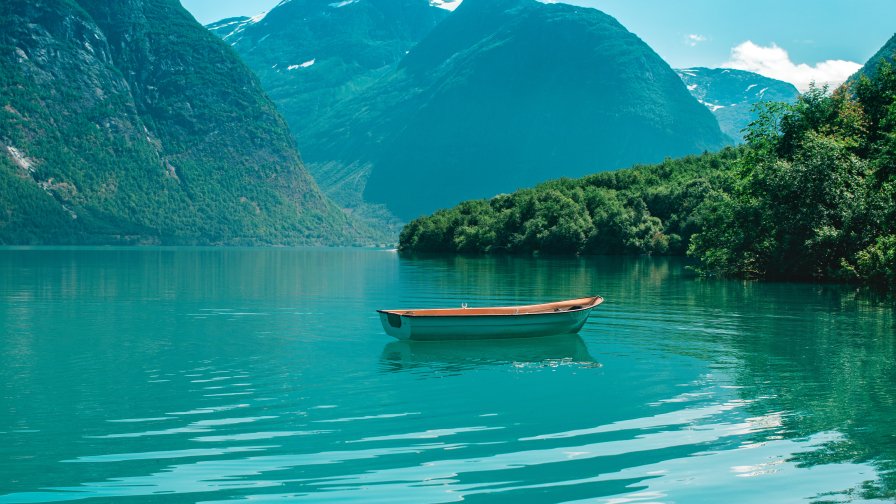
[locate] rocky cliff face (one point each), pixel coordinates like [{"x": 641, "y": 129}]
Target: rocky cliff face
[
  {"x": 128, "y": 122},
  {"x": 732, "y": 94}
]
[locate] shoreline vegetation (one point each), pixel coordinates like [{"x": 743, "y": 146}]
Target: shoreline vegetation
[{"x": 811, "y": 195}]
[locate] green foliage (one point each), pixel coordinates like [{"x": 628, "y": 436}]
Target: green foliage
[
  {"x": 815, "y": 197},
  {"x": 877, "y": 262},
  {"x": 643, "y": 210},
  {"x": 812, "y": 195}
]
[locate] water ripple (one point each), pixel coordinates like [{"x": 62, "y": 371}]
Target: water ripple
[
  {"x": 196, "y": 452},
  {"x": 119, "y": 371}
]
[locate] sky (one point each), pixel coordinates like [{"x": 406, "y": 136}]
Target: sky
[{"x": 798, "y": 41}]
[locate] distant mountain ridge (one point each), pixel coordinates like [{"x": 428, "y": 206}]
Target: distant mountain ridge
[
  {"x": 127, "y": 122},
  {"x": 504, "y": 94},
  {"x": 731, "y": 94}
]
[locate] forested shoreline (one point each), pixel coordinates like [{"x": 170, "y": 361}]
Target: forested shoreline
[{"x": 810, "y": 196}]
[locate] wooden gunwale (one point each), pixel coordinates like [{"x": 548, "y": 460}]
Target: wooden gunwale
[{"x": 571, "y": 306}]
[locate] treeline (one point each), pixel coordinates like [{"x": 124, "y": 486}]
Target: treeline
[
  {"x": 811, "y": 195},
  {"x": 646, "y": 209}
]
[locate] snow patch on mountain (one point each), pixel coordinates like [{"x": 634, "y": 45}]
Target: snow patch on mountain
[
  {"x": 238, "y": 21},
  {"x": 228, "y": 30},
  {"x": 343, "y": 3},
  {"x": 445, "y": 4},
  {"x": 257, "y": 18},
  {"x": 302, "y": 65}
]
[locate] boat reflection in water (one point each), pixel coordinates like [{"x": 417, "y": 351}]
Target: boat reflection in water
[{"x": 557, "y": 350}]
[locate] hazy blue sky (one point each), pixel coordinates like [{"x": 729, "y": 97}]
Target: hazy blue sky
[{"x": 794, "y": 40}]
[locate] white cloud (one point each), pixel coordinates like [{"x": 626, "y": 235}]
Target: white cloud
[
  {"x": 774, "y": 62},
  {"x": 693, "y": 39}
]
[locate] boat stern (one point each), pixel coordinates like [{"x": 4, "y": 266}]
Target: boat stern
[{"x": 395, "y": 325}]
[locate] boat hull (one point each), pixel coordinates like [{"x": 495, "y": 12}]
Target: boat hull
[{"x": 433, "y": 328}]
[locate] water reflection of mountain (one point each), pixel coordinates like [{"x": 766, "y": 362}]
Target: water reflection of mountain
[
  {"x": 441, "y": 356},
  {"x": 821, "y": 358},
  {"x": 827, "y": 360}
]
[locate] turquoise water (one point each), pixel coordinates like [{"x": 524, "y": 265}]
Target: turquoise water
[{"x": 220, "y": 375}]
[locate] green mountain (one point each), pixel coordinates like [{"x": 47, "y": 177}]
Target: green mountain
[
  {"x": 731, "y": 95},
  {"x": 503, "y": 94},
  {"x": 312, "y": 54},
  {"x": 127, "y": 122},
  {"x": 886, "y": 53}
]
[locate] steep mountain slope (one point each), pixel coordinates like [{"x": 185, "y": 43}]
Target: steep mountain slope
[
  {"x": 886, "y": 53},
  {"x": 731, "y": 94},
  {"x": 128, "y": 122},
  {"x": 504, "y": 94},
  {"x": 310, "y": 54}
]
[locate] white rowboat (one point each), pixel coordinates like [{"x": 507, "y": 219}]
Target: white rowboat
[{"x": 562, "y": 317}]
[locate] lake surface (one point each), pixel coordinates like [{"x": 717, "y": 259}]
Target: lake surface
[{"x": 221, "y": 375}]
